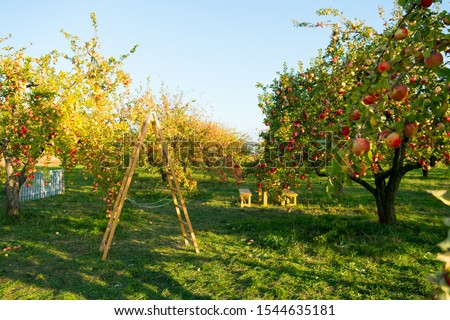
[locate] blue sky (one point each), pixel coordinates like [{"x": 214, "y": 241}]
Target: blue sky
[{"x": 214, "y": 51}]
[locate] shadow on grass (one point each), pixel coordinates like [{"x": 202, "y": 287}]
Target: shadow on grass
[{"x": 339, "y": 252}]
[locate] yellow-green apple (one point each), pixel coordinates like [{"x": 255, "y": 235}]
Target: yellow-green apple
[
  {"x": 446, "y": 20},
  {"x": 401, "y": 33},
  {"x": 360, "y": 146}
]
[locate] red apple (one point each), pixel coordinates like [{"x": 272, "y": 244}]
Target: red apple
[
  {"x": 447, "y": 277},
  {"x": 360, "y": 146},
  {"x": 410, "y": 129},
  {"x": 339, "y": 112},
  {"x": 384, "y": 134},
  {"x": 355, "y": 115},
  {"x": 393, "y": 140},
  {"x": 399, "y": 92},
  {"x": 435, "y": 59},
  {"x": 400, "y": 33},
  {"x": 322, "y": 115},
  {"x": 446, "y": 118},
  {"x": 368, "y": 99},
  {"x": 426, "y": 3},
  {"x": 297, "y": 123},
  {"x": 344, "y": 131},
  {"x": 383, "y": 66},
  {"x": 440, "y": 126}
]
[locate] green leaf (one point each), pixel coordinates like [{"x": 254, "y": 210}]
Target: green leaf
[
  {"x": 402, "y": 3},
  {"x": 443, "y": 72}
]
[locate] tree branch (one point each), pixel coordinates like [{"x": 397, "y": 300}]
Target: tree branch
[
  {"x": 363, "y": 183},
  {"x": 409, "y": 167},
  {"x": 398, "y": 26}
]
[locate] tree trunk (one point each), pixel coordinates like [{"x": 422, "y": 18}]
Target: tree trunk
[
  {"x": 385, "y": 201},
  {"x": 12, "y": 190},
  {"x": 13, "y": 183}
]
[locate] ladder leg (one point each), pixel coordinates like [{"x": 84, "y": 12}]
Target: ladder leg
[
  {"x": 120, "y": 199},
  {"x": 174, "y": 186}
]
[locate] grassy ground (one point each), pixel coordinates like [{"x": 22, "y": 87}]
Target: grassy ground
[{"x": 323, "y": 249}]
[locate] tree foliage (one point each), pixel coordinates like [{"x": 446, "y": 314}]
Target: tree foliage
[
  {"x": 78, "y": 106},
  {"x": 372, "y": 104}
]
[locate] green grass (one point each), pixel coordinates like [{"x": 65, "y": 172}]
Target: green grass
[{"x": 323, "y": 249}]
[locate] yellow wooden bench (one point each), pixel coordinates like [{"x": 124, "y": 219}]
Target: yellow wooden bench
[
  {"x": 289, "y": 198},
  {"x": 245, "y": 196}
]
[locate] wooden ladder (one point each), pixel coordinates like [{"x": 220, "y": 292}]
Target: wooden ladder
[{"x": 173, "y": 185}]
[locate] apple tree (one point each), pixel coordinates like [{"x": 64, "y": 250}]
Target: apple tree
[
  {"x": 76, "y": 110},
  {"x": 371, "y": 105}
]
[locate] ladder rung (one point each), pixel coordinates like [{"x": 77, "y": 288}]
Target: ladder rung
[
  {"x": 173, "y": 189},
  {"x": 179, "y": 206},
  {"x": 189, "y": 239},
  {"x": 183, "y": 222}
]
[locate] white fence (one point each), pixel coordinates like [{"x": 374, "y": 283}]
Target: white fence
[{"x": 44, "y": 185}]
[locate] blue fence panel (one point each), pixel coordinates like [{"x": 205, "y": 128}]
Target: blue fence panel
[{"x": 43, "y": 186}]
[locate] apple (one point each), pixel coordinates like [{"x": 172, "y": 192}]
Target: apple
[
  {"x": 360, "y": 146},
  {"x": 446, "y": 118},
  {"x": 344, "y": 131},
  {"x": 383, "y": 66},
  {"x": 384, "y": 134},
  {"x": 355, "y": 115},
  {"x": 368, "y": 99},
  {"x": 401, "y": 33},
  {"x": 435, "y": 59},
  {"x": 440, "y": 126},
  {"x": 399, "y": 92},
  {"x": 393, "y": 140},
  {"x": 322, "y": 115},
  {"x": 447, "y": 277},
  {"x": 426, "y": 3},
  {"x": 410, "y": 129},
  {"x": 339, "y": 112},
  {"x": 446, "y": 20}
]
